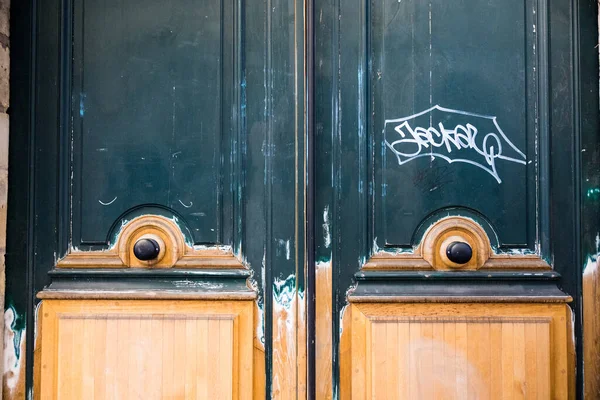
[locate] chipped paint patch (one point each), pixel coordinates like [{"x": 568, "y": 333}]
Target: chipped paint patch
[
  {"x": 590, "y": 265},
  {"x": 593, "y": 193},
  {"x": 342, "y": 313},
  {"x": 14, "y": 352},
  {"x": 284, "y": 291},
  {"x": 260, "y": 313},
  {"x": 350, "y": 290},
  {"x": 196, "y": 284},
  {"x": 260, "y": 323},
  {"x": 82, "y": 97},
  {"x": 285, "y": 244},
  {"x": 326, "y": 228},
  {"x": 517, "y": 252}
]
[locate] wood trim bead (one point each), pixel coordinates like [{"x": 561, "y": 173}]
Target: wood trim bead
[
  {"x": 175, "y": 253},
  {"x": 430, "y": 255}
]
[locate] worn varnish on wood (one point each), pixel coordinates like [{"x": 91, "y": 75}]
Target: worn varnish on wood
[
  {"x": 146, "y": 349},
  {"x": 469, "y": 351}
]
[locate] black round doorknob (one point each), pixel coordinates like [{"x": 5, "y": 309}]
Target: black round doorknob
[
  {"x": 459, "y": 252},
  {"x": 146, "y": 249}
]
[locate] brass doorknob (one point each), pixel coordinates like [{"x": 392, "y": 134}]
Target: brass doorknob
[
  {"x": 459, "y": 252},
  {"x": 146, "y": 249}
]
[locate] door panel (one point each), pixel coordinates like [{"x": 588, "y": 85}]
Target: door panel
[
  {"x": 453, "y": 128},
  {"x": 155, "y": 108},
  {"x": 425, "y": 351},
  {"x": 150, "y": 349}
]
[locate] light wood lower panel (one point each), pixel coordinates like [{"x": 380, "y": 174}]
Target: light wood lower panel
[
  {"x": 101, "y": 349},
  {"x": 468, "y": 351}
]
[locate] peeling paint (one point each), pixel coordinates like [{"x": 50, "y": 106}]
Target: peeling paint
[
  {"x": 350, "y": 290},
  {"x": 286, "y": 307},
  {"x": 14, "y": 341},
  {"x": 284, "y": 291},
  {"x": 260, "y": 317},
  {"x": 590, "y": 265}
]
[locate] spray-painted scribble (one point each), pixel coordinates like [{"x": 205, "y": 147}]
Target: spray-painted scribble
[{"x": 454, "y": 136}]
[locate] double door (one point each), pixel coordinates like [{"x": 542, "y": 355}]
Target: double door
[{"x": 386, "y": 199}]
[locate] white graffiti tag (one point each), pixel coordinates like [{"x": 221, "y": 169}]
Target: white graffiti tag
[{"x": 452, "y": 139}]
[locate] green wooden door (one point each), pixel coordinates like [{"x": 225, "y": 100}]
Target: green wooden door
[
  {"x": 192, "y": 111},
  {"x": 438, "y": 111},
  {"x": 313, "y": 146}
]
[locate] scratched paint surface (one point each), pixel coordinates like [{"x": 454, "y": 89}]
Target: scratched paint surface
[
  {"x": 152, "y": 115},
  {"x": 479, "y": 134}
]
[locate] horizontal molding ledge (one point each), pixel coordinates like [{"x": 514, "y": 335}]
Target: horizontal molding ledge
[
  {"x": 453, "y": 287},
  {"x": 458, "y": 299},
  {"x": 143, "y": 295}
]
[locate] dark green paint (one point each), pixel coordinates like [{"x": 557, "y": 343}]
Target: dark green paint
[
  {"x": 154, "y": 114},
  {"x": 420, "y": 57}
]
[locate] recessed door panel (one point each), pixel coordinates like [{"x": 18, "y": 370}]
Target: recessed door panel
[
  {"x": 154, "y": 115},
  {"x": 453, "y": 119}
]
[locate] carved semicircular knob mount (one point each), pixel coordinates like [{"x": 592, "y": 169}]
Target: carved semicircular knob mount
[
  {"x": 150, "y": 241},
  {"x": 456, "y": 243},
  {"x": 146, "y": 249},
  {"x": 459, "y": 252}
]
